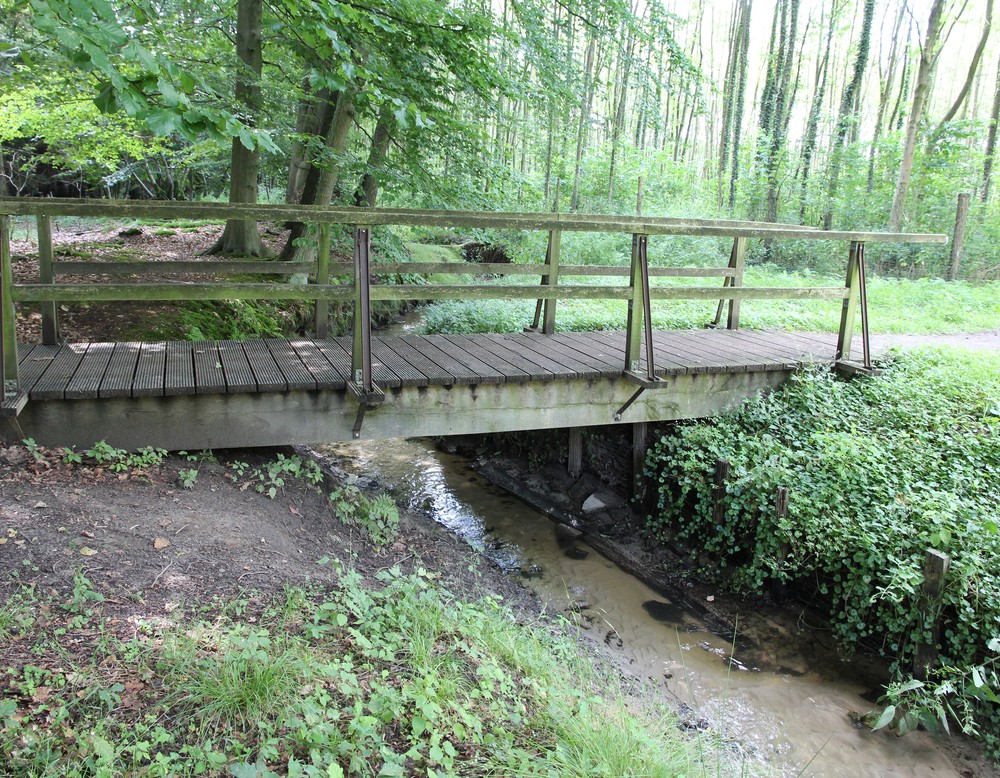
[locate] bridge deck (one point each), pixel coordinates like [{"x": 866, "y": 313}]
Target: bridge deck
[{"x": 123, "y": 370}]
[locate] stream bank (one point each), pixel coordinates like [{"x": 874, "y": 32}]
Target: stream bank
[{"x": 767, "y": 680}]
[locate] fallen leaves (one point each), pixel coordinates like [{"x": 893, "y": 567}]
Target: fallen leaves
[
  {"x": 87, "y": 551},
  {"x": 161, "y": 543}
]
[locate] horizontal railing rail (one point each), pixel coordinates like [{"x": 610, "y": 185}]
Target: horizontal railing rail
[{"x": 343, "y": 282}]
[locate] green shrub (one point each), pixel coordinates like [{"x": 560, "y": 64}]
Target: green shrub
[{"x": 879, "y": 470}]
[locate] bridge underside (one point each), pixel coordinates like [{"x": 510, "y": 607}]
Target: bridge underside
[{"x": 183, "y": 395}]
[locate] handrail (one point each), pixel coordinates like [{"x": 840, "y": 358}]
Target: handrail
[
  {"x": 412, "y": 217},
  {"x": 357, "y": 276}
]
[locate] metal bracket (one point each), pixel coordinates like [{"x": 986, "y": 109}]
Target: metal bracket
[
  {"x": 366, "y": 400},
  {"x": 851, "y": 369},
  {"x": 645, "y": 382}
]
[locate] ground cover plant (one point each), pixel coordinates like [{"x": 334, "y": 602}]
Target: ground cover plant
[
  {"x": 388, "y": 677},
  {"x": 879, "y": 470}
]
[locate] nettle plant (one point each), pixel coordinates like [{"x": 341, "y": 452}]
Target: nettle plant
[{"x": 879, "y": 471}]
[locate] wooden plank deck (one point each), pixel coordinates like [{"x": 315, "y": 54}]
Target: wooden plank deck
[{"x": 104, "y": 370}]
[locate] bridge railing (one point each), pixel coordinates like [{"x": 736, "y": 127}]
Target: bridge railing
[{"x": 359, "y": 289}]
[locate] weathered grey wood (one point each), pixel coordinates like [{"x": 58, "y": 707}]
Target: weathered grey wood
[
  {"x": 179, "y": 369},
  {"x": 337, "y": 348},
  {"x": 454, "y": 361},
  {"x": 209, "y": 377},
  {"x": 370, "y": 217},
  {"x": 538, "y": 367},
  {"x": 88, "y": 376},
  {"x": 551, "y": 279},
  {"x": 8, "y": 333},
  {"x": 405, "y": 348},
  {"x": 150, "y": 371},
  {"x": 321, "y": 313},
  {"x": 337, "y": 352},
  {"x": 553, "y": 351},
  {"x": 118, "y": 378},
  {"x": 265, "y": 370},
  {"x": 614, "y": 343},
  {"x": 593, "y": 350},
  {"x": 52, "y": 384},
  {"x": 297, "y": 375},
  {"x": 407, "y": 374},
  {"x": 936, "y": 564},
  {"x": 50, "y": 315},
  {"x": 179, "y": 266},
  {"x": 574, "y": 459},
  {"x": 719, "y": 478},
  {"x": 34, "y": 362},
  {"x": 194, "y": 422},
  {"x": 958, "y": 236},
  {"x": 236, "y": 367},
  {"x": 739, "y": 261},
  {"x": 27, "y": 293},
  {"x": 850, "y": 307},
  {"x": 496, "y": 363},
  {"x": 654, "y": 272},
  {"x": 319, "y": 367},
  {"x": 459, "y": 268}
]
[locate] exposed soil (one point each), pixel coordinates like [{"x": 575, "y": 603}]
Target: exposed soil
[{"x": 150, "y": 545}]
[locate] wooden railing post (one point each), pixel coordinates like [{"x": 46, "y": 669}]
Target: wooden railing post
[
  {"x": 50, "y": 320},
  {"x": 552, "y": 279},
  {"x": 737, "y": 262},
  {"x": 361, "y": 352},
  {"x": 850, "y": 307},
  {"x": 8, "y": 334},
  {"x": 321, "y": 316}
]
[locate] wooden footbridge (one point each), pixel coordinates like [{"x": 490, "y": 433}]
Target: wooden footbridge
[{"x": 194, "y": 395}]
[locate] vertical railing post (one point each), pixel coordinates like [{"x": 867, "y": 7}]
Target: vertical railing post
[
  {"x": 850, "y": 307},
  {"x": 8, "y": 334},
  {"x": 552, "y": 279},
  {"x": 321, "y": 316},
  {"x": 737, "y": 263},
  {"x": 361, "y": 353},
  {"x": 50, "y": 320},
  {"x": 634, "y": 323}
]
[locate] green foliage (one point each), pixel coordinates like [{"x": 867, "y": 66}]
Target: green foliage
[
  {"x": 879, "y": 470},
  {"x": 399, "y": 678},
  {"x": 378, "y": 516},
  {"x": 239, "y": 319}
]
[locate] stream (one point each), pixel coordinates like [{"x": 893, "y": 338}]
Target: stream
[{"x": 783, "y": 695}]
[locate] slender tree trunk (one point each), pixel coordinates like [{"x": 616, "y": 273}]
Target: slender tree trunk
[
  {"x": 306, "y": 119},
  {"x": 928, "y": 61},
  {"x": 242, "y": 238},
  {"x": 367, "y": 194},
  {"x": 991, "y": 141},
  {"x": 812, "y": 124},
  {"x": 886, "y": 90},
  {"x": 848, "y": 113},
  {"x": 741, "y": 86},
  {"x": 590, "y": 70},
  {"x": 973, "y": 68}
]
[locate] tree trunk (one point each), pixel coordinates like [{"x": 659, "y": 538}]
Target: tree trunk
[
  {"x": 991, "y": 141},
  {"x": 812, "y": 124},
  {"x": 740, "y": 98},
  {"x": 973, "y": 68},
  {"x": 590, "y": 70},
  {"x": 336, "y": 119},
  {"x": 848, "y": 114},
  {"x": 241, "y": 238},
  {"x": 928, "y": 61},
  {"x": 883, "y": 100},
  {"x": 306, "y": 119},
  {"x": 367, "y": 194}
]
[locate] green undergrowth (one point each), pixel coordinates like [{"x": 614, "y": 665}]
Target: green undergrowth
[
  {"x": 879, "y": 470},
  {"x": 896, "y": 306},
  {"x": 391, "y": 677}
]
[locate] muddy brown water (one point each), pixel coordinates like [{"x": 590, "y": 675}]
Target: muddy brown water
[{"x": 783, "y": 696}]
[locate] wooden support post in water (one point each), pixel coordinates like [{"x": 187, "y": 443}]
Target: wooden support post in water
[
  {"x": 321, "y": 316},
  {"x": 574, "y": 463},
  {"x": 50, "y": 315},
  {"x": 936, "y": 565},
  {"x": 640, "y": 442},
  {"x": 8, "y": 334},
  {"x": 850, "y": 308},
  {"x": 958, "y": 238},
  {"x": 719, "y": 490}
]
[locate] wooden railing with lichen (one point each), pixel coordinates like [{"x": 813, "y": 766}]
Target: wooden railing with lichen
[{"x": 360, "y": 290}]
